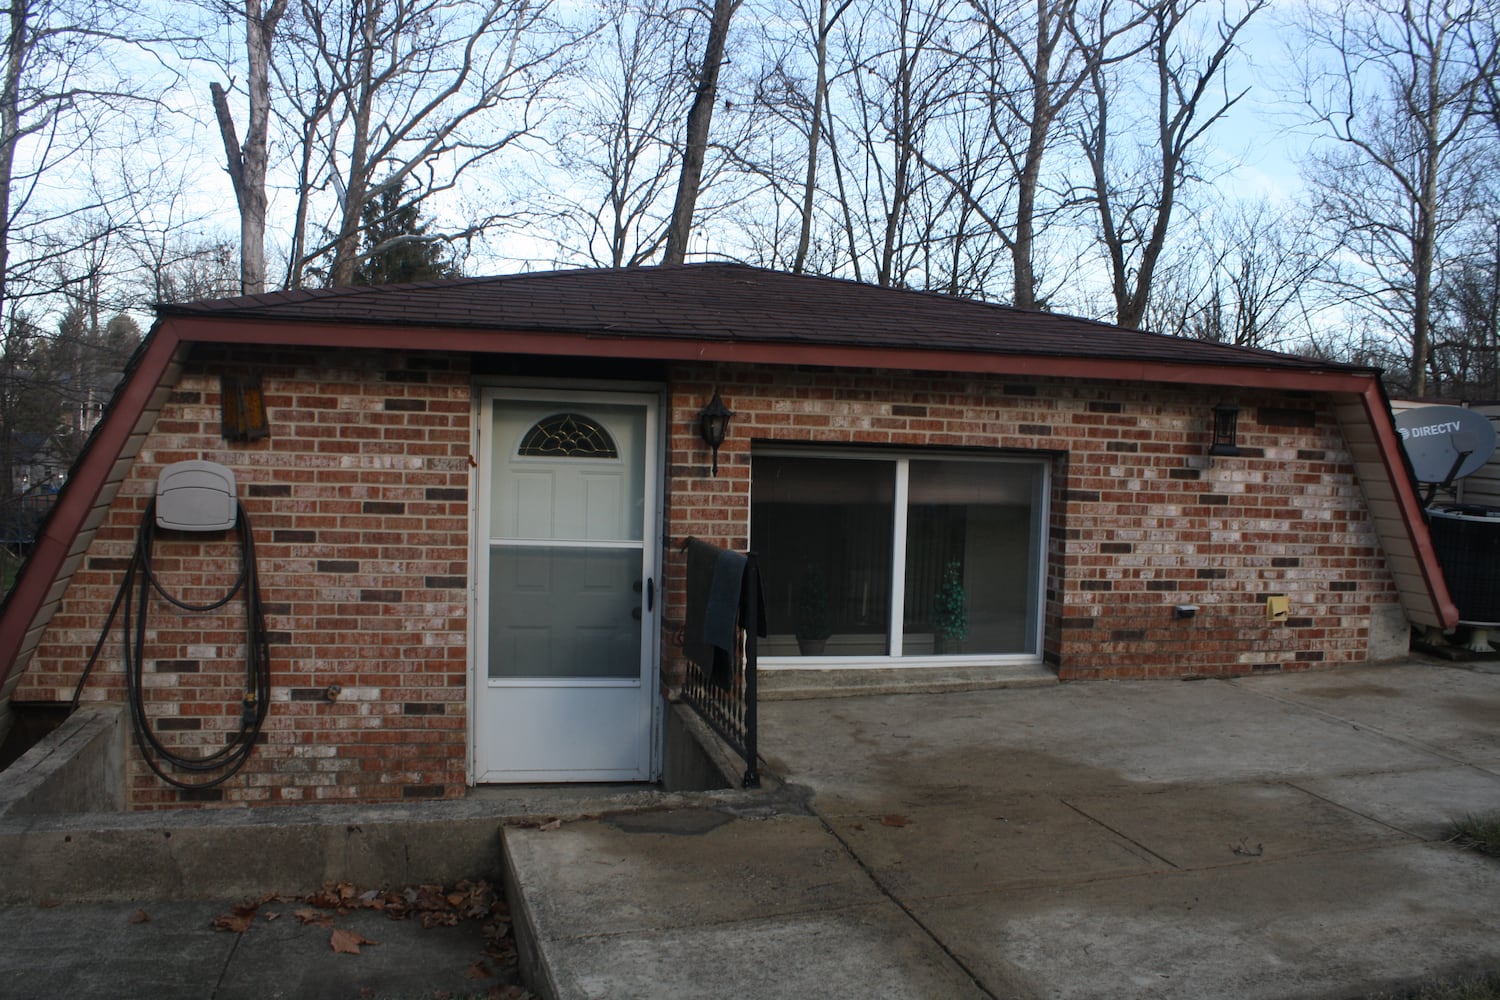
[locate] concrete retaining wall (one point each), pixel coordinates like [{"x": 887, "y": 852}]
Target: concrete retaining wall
[
  {"x": 77, "y": 768},
  {"x": 694, "y": 758},
  {"x": 66, "y": 838}
]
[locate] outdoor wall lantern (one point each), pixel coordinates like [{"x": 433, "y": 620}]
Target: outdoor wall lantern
[
  {"x": 1226, "y": 426},
  {"x": 713, "y": 424}
]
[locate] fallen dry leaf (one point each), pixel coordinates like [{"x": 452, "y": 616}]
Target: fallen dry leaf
[
  {"x": 347, "y": 942},
  {"x": 478, "y": 970},
  {"x": 553, "y": 825},
  {"x": 894, "y": 820},
  {"x": 334, "y": 895},
  {"x": 315, "y": 917},
  {"x": 236, "y": 923},
  {"x": 139, "y": 917}
]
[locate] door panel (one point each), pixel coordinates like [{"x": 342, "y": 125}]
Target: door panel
[{"x": 565, "y": 649}]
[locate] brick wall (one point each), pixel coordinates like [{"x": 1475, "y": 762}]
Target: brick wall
[
  {"x": 1141, "y": 519},
  {"x": 359, "y": 505},
  {"x": 358, "y": 502}
]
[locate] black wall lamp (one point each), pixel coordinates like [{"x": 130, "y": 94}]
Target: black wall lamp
[
  {"x": 1226, "y": 428},
  {"x": 713, "y": 424}
]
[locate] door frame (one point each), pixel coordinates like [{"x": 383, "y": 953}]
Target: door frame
[{"x": 653, "y": 396}]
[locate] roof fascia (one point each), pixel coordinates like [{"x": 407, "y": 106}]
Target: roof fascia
[
  {"x": 79, "y": 494},
  {"x": 1413, "y": 514},
  {"x": 503, "y": 341}
]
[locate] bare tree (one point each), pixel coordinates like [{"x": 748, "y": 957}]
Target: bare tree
[
  {"x": 822, "y": 29},
  {"x": 193, "y": 270},
  {"x": 618, "y": 141},
  {"x": 1464, "y": 359},
  {"x": 407, "y": 94},
  {"x": 66, "y": 99},
  {"x": 1135, "y": 192},
  {"x": 699, "y": 122},
  {"x": 1400, "y": 104},
  {"x": 1036, "y": 62},
  {"x": 1027, "y": 73},
  {"x": 247, "y": 163},
  {"x": 1244, "y": 281},
  {"x": 899, "y": 101},
  {"x": 1052, "y": 71}
]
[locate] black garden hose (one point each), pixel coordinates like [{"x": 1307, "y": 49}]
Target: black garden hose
[{"x": 135, "y": 589}]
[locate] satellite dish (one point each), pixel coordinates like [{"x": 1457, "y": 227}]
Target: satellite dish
[{"x": 1445, "y": 443}]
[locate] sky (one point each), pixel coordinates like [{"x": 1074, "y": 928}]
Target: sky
[{"x": 1252, "y": 153}]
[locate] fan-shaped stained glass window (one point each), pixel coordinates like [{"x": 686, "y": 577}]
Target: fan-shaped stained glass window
[{"x": 567, "y": 435}]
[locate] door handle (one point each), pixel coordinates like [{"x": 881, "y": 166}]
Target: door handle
[{"x": 650, "y": 596}]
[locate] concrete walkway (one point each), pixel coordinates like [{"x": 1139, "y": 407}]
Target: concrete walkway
[
  {"x": 1276, "y": 837},
  {"x": 170, "y": 951}
]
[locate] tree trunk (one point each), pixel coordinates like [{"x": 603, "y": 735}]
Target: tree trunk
[
  {"x": 700, "y": 117},
  {"x": 815, "y": 132},
  {"x": 10, "y": 130},
  {"x": 1043, "y": 112},
  {"x": 247, "y": 163},
  {"x": 357, "y": 187},
  {"x": 1495, "y": 314},
  {"x": 1424, "y": 244}
]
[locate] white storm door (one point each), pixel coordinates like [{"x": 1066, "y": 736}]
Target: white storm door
[{"x": 565, "y": 634}]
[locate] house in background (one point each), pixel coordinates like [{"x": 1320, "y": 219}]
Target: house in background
[
  {"x": 37, "y": 471},
  {"x": 469, "y": 498}
]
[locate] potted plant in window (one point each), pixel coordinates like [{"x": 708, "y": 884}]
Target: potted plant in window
[
  {"x": 950, "y": 613},
  {"x": 812, "y": 627}
]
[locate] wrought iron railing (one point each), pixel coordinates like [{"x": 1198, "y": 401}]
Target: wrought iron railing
[{"x": 727, "y": 701}]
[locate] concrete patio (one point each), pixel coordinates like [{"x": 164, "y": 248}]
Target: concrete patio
[{"x": 1273, "y": 836}]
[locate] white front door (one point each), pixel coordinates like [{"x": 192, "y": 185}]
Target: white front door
[{"x": 564, "y": 632}]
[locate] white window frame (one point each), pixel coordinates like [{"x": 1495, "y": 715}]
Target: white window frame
[{"x": 896, "y": 627}]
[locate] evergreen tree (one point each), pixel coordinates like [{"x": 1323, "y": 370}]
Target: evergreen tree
[{"x": 395, "y": 247}]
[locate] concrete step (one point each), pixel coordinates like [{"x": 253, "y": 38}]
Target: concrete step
[
  {"x": 699, "y": 902},
  {"x": 793, "y": 685}
]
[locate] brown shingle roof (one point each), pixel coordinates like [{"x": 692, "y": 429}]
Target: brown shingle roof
[{"x": 731, "y": 303}]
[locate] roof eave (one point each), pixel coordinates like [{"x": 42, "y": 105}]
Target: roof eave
[{"x": 198, "y": 329}]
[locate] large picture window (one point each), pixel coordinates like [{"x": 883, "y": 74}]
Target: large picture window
[{"x": 868, "y": 557}]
